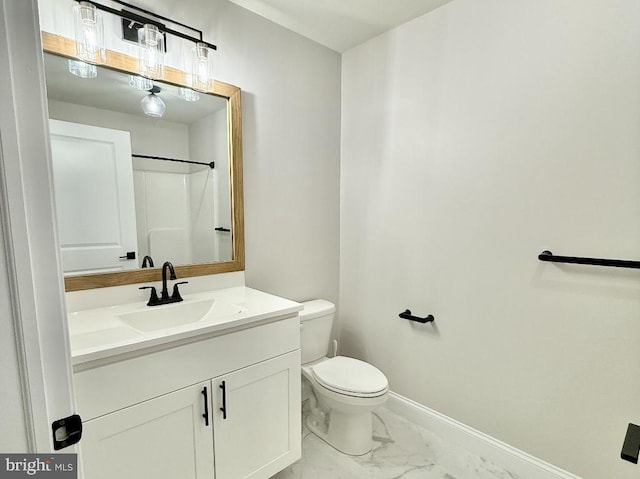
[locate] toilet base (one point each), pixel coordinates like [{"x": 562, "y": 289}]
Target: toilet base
[
  {"x": 341, "y": 420},
  {"x": 350, "y": 434}
]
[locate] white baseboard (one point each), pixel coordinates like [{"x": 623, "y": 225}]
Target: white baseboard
[{"x": 524, "y": 465}]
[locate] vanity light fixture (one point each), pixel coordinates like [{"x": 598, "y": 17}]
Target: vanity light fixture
[
  {"x": 187, "y": 94},
  {"x": 202, "y": 67},
  {"x": 153, "y": 105},
  {"x": 82, "y": 69},
  {"x": 140, "y": 83},
  {"x": 151, "y": 52},
  {"x": 89, "y": 33},
  {"x": 145, "y": 29}
]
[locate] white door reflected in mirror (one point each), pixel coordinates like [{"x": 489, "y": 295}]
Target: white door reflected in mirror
[{"x": 93, "y": 184}]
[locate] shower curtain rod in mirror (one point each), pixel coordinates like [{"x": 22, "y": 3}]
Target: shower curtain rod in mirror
[{"x": 211, "y": 165}]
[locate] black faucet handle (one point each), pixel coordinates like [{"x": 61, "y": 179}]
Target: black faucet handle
[
  {"x": 153, "y": 299},
  {"x": 175, "y": 296}
]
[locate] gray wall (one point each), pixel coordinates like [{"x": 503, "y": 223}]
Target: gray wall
[{"x": 473, "y": 138}]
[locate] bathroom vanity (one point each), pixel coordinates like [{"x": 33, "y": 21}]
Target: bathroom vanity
[{"x": 209, "y": 387}]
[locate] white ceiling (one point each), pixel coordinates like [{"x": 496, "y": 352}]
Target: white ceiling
[{"x": 340, "y": 24}]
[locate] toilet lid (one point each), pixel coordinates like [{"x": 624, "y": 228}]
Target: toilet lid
[{"x": 350, "y": 376}]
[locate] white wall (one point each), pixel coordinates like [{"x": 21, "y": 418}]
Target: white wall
[
  {"x": 149, "y": 136},
  {"x": 473, "y": 138},
  {"x": 291, "y": 131}
]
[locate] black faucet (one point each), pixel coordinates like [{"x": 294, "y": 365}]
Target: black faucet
[
  {"x": 147, "y": 261},
  {"x": 164, "y": 296},
  {"x": 172, "y": 276}
]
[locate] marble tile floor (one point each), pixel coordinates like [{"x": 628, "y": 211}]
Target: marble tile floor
[{"x": 401, "y": 450}]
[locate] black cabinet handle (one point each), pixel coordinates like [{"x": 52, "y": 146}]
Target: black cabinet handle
[
  {"x": 206, "y": 406},
  {"x": 223, "y": 386},
  {"x": 407, "y": 315},
  {"x": 129, "y": 255}
]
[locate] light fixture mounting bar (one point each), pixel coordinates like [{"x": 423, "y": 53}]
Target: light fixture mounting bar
[
  {"x": 135, "y": 18},
  {"x": 159, "y": 17},
  {"x": 130, "y": 27}
]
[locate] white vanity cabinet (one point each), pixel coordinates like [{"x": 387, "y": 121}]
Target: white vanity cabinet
[{"x": 144, "y": 413}]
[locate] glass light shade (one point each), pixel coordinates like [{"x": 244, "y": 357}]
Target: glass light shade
[
  {"x": 202, "y": 68},
  {"x": 187, "y": 94},
  {"x": 82, "y": 69},
  {"x": 140, "y": 83},
  {"x": 153, "y": 106},
  {"x": 151, "y": 52},
  {"x": 89, "y": 33}
]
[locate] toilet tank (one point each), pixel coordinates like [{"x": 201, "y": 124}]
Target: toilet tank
[{"x": 316, "y": 320}]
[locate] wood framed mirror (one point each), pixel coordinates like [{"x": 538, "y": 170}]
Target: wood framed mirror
[{"x": 233, "y": 261}]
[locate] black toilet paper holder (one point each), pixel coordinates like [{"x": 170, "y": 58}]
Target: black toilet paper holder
[{"x": 407, "y": 315}]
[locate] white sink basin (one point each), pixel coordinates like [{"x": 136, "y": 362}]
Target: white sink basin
[
  {"x": 133, "y": 328},
  {"x": 178, "y": 314}
]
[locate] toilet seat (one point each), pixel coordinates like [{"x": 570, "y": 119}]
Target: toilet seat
[{"x": 350, "y": 377}]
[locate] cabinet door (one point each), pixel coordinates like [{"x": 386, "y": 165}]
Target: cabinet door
[
  {"x": 165, "y": 437},
  {"x": 261, "y": 432}
]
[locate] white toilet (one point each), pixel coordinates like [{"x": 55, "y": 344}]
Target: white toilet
[{"x": 343, "y": 391}]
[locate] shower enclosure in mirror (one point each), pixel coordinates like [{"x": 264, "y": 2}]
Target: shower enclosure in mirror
[{"x": 135, "y": 187}]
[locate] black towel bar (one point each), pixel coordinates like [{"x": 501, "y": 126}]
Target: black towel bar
[
  {"x": 407, "y": 315},
  {"x": 615, "y": 263}
]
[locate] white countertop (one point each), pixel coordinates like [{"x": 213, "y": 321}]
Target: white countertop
[{"x": 101, "y": 333}]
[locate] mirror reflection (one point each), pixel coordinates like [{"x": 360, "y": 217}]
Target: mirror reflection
[{"x": 133, "y": 171}]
